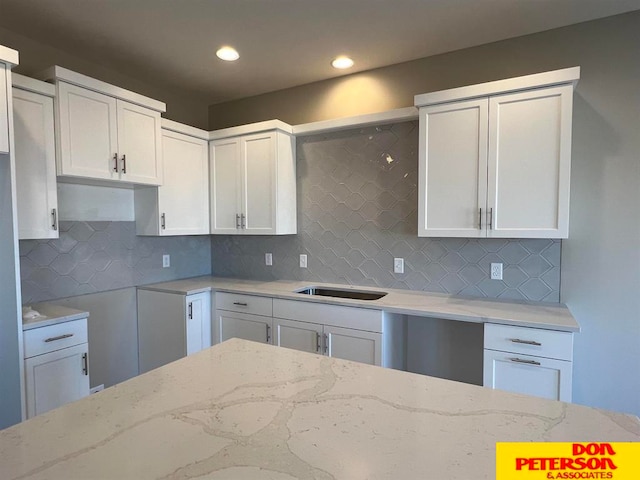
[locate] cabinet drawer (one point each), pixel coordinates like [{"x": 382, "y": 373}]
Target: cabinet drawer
[
  {"x": 54, "y": 337},
  {"x": 235, "y": 302},
  {"x": 333, "y": 315},
  {"x": 529, "y": 341}
]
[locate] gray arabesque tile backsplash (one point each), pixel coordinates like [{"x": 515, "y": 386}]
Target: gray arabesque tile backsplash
[{"x": 357, "y": 209}]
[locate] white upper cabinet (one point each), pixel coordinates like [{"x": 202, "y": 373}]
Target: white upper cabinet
[
  {"x": 495, "y": 158},
  {"x": 105, "y": 132},
  {"x": 34, "y": 135},
  {"x": 180, "y": 206},
  {"x": 253, "y": 181}
]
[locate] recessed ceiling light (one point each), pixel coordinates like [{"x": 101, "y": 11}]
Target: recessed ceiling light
[
  {"x": 228, "y": 53},
  {"x": 342, "y": 62}
]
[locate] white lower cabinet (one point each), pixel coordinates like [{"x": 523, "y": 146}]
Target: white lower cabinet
[
  {"x": 526, "y": 360},
  {"x": 328, "y": 330},
  {"x": 248, "y": 317},
  {"x": 346, "y": 343},
  {"x": 171, "y": 326},
  {"x": 56, "y": 365}
]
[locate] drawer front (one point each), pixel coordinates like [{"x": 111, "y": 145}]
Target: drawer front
[
  {"x": 236, "y": 302},
  {"x": 529, "y": 341},
  {"x": 333, "y": 315},
  {"x": 54, "y": 337}
]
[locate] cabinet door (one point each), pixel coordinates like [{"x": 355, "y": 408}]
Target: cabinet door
[
  {"x": 139, "y": 144},
  {"x": 56, "y": 378},
  {"x": 4, "y": 110},
  {"x": 198, "y": 315},
  {"x": 224, "y": 168},
  {"x": 259, "y": 183},
  {"x": 453, "y": 169},
  {"x": 183, "y": 198},
  {"x": 88, "y": 133},
  {"x": 35, "y": 165},
  {"x": 530, "y": 163},
  {"x": 537, "y": 376},
  {"x": 355, "y": 345},
  {"x": 303, "y": 336},
  {"x": 241, "y": 325}
]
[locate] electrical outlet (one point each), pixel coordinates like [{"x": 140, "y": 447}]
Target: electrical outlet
[
  {"x": 398, "y": 265},
  {"x": 166, "y": 261},
  {"x": 303, "y": 261},
  {"x": 268, "y": 259},
  {"x": 496, "y": 271}
]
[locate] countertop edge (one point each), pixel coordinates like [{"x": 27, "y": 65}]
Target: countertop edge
[{"x": 285, "y": 290}]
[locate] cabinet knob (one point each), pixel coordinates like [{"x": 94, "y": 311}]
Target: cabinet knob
[
  {"x": 85, "y": 364},
  {"x": 115, "y": 162},
  {"x": 190, "y": 310},
  {"x": 268, "y": 333},
  {"x": 54, "y": 219},
  {"x": 163, "y": 221},
  {"x": 242, "y": 221},
  {"x": 59, "y": 337},
  {"x": 124, "y": 164},
  {"x": 528, "y": 362},
  {"x": 526, "y": 342},
  {"x": 237, "y": 221}
]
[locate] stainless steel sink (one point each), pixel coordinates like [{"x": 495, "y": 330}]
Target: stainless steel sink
[{"x": 342, "y": 293}]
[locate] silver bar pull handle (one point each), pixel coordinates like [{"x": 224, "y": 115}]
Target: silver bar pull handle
[
  {"x": 115, "y": 162},
  {"x": 237, "y": 220},
  {"x": 490, "y": 222},
  {"x": 326, "y": 343},
  {"x": 480, "y": 220},
  {"x": 317, "y": 342},
  {"x": 190, "y": 310},
  {"x": 243, "y": 223},
  {"x": 85, "y": 364},
  {"x": 124, "y": 164},
  {"x": 526, "y": 342},
  {"x": 163, "y": 221},
  {"x": 60, "y": 337},
  {"x": 268, "y": 333},
  {"x": 242, "y": 304},
  {"x": 528, "y": 362},
  {"x": 54, "y": 219}
]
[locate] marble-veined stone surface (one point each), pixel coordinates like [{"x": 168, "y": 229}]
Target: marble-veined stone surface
[{"x": 242, "y": 410}]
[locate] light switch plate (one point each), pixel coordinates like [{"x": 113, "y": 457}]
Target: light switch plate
[
  {"x": 166, "y": 261},
  {"x": 303, "y": 261},
  {"x": 268, "y": 259}
]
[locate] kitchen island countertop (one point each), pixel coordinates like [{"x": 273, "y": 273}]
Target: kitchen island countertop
[
  {"x": 246, "y": 410},
  {"x": 555, "y": 316}
]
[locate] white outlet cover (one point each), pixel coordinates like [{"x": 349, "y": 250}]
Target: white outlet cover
[
  {"x": 496, "y": 271},
  {"x": 166, "y": 261},
  {"x": 268, "y": 259},
  {"x": 303, "y": 261},
  {"x": 398, "y": 265}
]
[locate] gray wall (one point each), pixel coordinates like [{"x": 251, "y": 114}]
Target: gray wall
[
  {"x": 10, "y": 337},
  {"x": 357, "y": 210},
  {"x": 182, "y": 106},
  {"x": 601, "y": 260}
]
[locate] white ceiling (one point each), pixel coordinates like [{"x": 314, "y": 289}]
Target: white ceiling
[{"x": 282, "y": 43}]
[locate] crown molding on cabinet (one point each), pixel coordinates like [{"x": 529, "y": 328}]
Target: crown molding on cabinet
[
  {"x": 9, "y": 56},
  {"x": 33, "y": 85},
  {"x": 57, "y": 73},
  {"x": 251, "y": 128},
  {"x": 367, "y": 120},
  {"x": 167, "y": 124},
  {"x": 537, "y": 80}
]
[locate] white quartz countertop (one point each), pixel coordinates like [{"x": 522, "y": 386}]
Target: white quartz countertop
[
  {"x": 554, "y": 316},
  {"x": 51, "y": 314},
  {"x": 243, "y": 410}
]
